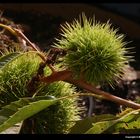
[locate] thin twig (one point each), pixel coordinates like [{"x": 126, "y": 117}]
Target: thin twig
[
  {"x": 20, "y": 34},
  {"x": 11, "y": 30}
]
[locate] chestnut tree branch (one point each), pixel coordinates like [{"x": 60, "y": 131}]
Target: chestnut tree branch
[{"x": 67, "y": 76}]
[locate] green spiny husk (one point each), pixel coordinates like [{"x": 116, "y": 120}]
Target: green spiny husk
[
  {"x": 59, "y": 118},
  {"x": 14, "y": 78},
  {"x": 94, "y": 51}
]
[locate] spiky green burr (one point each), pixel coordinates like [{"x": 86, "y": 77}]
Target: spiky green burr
[
  {"x": 56, "y": 119},
  {"x": 95, "y": 51}
]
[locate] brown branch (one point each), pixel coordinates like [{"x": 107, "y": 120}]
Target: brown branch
[
  {"x": 105, "y": 95},
  {"x": 68, "y": 77},
  {"x": 56, "y": 76}
]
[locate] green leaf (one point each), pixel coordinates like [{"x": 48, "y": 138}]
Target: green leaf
[
  {"x": 100, "y": 127},
  {"x": 83, "y": 125},
  {"x": 4, "y": 60},
  {"x": 127, "y": 121},
  {"x": 22, "y": 109}
]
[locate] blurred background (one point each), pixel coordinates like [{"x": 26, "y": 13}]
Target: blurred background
[{"x": 41, "y": 24}]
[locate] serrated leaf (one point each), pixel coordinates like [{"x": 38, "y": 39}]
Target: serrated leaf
[
  {"x": 83, "y": 125},
  {"x": 130, "y": 120},
  {"x": 4, "y": 60},
  {"x": 22, "y": 109}
]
